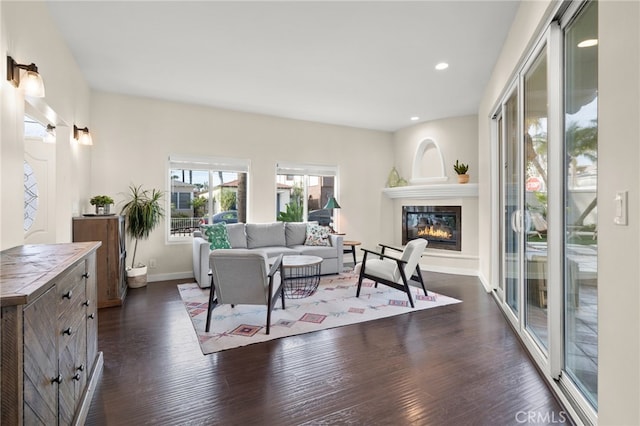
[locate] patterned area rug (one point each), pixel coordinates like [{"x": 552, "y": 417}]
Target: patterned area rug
[{"x": 333, "y": 305}]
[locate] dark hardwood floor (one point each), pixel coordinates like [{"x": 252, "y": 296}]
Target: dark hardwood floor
[{"x": 453, "y": 365}]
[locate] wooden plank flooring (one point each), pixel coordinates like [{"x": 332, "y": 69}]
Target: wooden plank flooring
[{"x": 452, "y": 365}]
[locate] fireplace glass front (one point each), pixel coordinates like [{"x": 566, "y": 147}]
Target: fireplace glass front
[{"x": 439, "y": 225}]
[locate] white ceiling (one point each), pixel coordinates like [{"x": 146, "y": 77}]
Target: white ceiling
[{"x": 367, "y": 64}]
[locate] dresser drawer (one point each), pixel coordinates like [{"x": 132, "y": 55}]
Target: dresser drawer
[{"x": 69, "y": 280}]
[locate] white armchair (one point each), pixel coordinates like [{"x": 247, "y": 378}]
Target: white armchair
[
  {"x": 244, "y": 277},
  {"x": 393, "y": 271}
]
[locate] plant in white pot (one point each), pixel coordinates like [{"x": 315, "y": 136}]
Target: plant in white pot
[{"x": 143, "y": 211}]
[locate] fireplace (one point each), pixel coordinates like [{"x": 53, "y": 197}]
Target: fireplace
[{"x": 440, "y": 225}]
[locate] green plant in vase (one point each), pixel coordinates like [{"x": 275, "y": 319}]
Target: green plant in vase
[{"x": 102, "y": 203}]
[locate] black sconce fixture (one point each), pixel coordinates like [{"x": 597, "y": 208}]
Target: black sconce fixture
[
  {"x": 31, "y": 82},
  {"x": 82, "y": 135}
]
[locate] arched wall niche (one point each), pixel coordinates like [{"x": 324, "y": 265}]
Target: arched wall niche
[{"x": 429, "y": 149}]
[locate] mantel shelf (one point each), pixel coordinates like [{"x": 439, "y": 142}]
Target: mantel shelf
[{"x": 434, "y": 191}]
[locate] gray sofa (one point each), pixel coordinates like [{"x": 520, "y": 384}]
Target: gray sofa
[{"x": 274, "y": 238}]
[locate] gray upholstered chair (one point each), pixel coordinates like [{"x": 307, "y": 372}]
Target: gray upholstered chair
[
  {"x": 396, "y": 272},
  {"x": 244, "y": 277}
]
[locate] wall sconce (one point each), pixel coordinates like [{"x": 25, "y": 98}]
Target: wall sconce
[
  {"x": 82, "y": 135},
  {"x": 31, "y": 82},
  {"x": 50, "y": 135},
  {"x": 332, "y": 204}
]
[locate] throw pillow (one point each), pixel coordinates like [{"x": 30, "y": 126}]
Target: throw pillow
[
  {"x": 218, "y": 236},
  {"x": 317, "y": 235}
]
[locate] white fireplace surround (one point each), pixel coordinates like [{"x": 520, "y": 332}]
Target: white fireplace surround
[{"x": 433, "y": 190}]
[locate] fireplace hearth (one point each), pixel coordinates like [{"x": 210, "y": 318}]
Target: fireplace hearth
[{"x": 439, "y": 225}]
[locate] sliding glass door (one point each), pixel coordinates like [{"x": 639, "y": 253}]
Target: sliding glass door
[
  {"x": 511, "y": 206},
  {"x": 547, "y": 145},
  {"x": 580, "y": 203},
  {"x": 535, "y": 200}
]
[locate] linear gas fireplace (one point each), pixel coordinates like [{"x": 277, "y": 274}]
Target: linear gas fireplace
[{"x": 440, "y": 225}]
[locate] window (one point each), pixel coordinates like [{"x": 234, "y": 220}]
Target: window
[
  {"x": 205, "y": 190},
  {"x": 302, "y": 191}
]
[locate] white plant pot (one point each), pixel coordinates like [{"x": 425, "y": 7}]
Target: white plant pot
[{"x": 137, "y": 277}]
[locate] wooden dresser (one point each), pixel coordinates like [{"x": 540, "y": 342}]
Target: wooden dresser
[
  {"x": 111, "y": 271},
  {"x": 49, "y": 359}
]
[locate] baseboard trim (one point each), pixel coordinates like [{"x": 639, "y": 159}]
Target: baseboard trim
[
  {"x": 170, "y": 276},
  {"x": 449, "y": 270},
  {"x": 485, "y": 282}
]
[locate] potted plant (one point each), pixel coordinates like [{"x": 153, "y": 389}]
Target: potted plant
[
  {"x": 461, "y": 169},
  {"x": 143, "y": 211},
  {"x": 102, "y": 203}
]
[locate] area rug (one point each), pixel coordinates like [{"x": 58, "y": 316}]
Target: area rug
[{"x": 334, "y": 304}]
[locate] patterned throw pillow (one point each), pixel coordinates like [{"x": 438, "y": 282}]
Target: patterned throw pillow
[
  {"x": 217, "y": 236},
  {"x": 317, "y": 235}
]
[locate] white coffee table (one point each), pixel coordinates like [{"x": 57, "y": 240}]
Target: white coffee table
[{"x": 301, "y": 275}]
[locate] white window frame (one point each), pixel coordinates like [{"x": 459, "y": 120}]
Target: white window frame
[
  {"x": 306, "y": 170},
  {"x": 212, "y": 164}
]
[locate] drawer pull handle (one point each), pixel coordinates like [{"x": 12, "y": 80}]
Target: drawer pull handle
[
  {"x": 86, "y": 303},
  {"x": 76, "y": 377},
  {"x": 80, "y": 368},
  {"x": 85, "y": 275},
  {"x": 67, "y": 295},
  {"x": 92, "y": 316},
  {"x": 57, "y": 379},
  {"x": 68, "y": 331}
]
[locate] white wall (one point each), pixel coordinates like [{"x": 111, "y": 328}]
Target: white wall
[
  {"x": 457, "y": 138},
  {"x": 133, "y": 138},
  {"x": 619, "y": 247},
  {"x": 28, "y": 35}
]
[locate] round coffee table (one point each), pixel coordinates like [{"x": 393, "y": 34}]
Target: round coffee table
[{"x": 301, "y": 275}]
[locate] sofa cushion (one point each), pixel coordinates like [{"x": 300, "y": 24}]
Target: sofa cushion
[
  {"x": 278, "y": 250},
  {"x": 265, "y": 234},
  {"x": 317, "y": 235},
  {"x": 295, "y": 233},
  {"x": 237, "y": 237},
  {"x": 324, "y": 252},
  {"x": 217, "y": 236}
]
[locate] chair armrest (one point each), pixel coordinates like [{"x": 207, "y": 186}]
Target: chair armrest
[
  {"x": 275, "y": 266},
  {"x": 385, "y": 246},
  {"x": 382, "y": 255}
]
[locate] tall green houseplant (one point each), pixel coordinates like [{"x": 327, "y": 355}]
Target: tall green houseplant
[{"x": 143, "y": 212}]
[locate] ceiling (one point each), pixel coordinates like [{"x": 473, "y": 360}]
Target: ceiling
[{"x": 367, "y": 64}]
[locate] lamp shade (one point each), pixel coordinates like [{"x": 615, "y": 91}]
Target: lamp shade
[
  {"x": 332, "y": 204},
  {"x": 32, "y": 84}
]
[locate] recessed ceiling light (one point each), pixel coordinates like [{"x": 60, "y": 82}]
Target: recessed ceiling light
[
  {"x": 442, "y": 66},
  {"x": 588, "y": 43},
  {"x": 415, "y": 118}
]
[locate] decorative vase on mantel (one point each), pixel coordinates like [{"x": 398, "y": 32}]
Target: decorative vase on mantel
[{"x": 463, "y": 178}]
